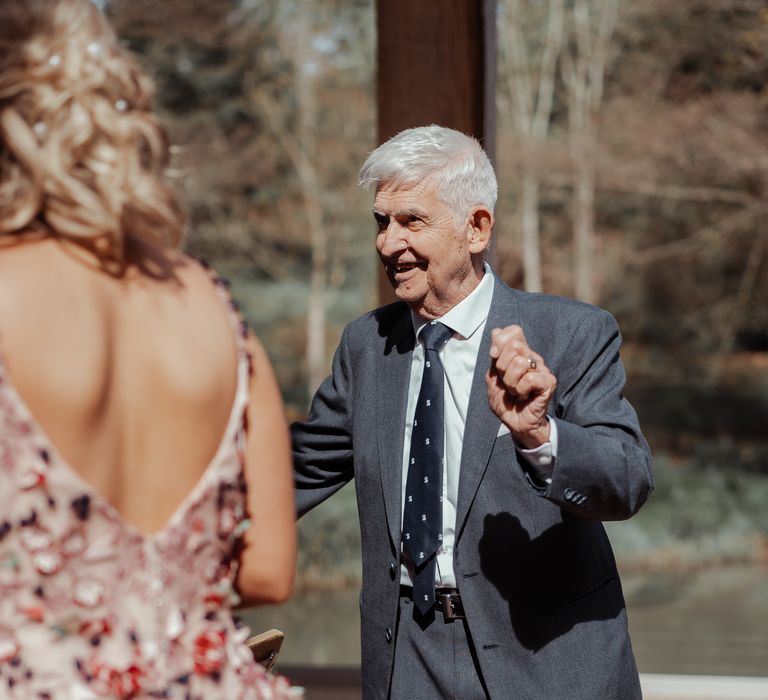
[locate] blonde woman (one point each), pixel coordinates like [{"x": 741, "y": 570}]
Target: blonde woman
[{"x": 145, "y": 482}]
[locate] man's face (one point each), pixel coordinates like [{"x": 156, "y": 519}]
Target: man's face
[{"x": 427, "y": 254}]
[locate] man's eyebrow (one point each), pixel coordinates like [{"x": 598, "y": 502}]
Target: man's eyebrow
[{"x": 410, "y": 211}]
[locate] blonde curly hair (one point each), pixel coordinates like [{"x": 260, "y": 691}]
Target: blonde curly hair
[{"x": 82, "y": 154}]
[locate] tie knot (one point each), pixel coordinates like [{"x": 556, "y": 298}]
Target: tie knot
[{"x": 435, "y": 334}]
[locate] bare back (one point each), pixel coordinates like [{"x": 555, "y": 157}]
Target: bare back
[{"x": 132, "y": 378}]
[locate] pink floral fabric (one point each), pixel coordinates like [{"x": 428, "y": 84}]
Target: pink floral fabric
[{"x": 92, "y": 608}]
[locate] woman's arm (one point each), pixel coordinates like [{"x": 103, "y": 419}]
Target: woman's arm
[{"x": 268, "y": 557}]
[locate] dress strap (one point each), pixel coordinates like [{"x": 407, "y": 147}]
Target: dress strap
[
  {"x": 244, "y": 359},
  {"x": 239, "y": 326}
]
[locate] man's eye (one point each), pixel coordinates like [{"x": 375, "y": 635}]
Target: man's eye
[
  {"x": 381, "y": 220},
  {"x": 412, "y": 220}
]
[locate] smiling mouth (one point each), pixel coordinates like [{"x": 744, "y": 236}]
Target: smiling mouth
[{"x": 400, "y": 267}]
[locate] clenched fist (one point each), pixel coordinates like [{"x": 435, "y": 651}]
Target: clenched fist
[{"x": 519, "y": 386}]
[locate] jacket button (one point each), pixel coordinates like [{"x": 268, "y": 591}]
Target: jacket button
[
  {"x": 388, "y": 635},
  {"x": 568, "y": 494},
  {"x": 392, "y": 570}
]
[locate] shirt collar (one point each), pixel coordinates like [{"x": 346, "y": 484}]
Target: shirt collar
[{"x": 470, "y": 313}]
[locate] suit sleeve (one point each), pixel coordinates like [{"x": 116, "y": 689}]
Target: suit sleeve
[
  {"x": 322, "y": 445},
  {"x": 603, "y": 466}
]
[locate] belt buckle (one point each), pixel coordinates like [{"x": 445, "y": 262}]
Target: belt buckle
[{"x": 446, "y": 602}]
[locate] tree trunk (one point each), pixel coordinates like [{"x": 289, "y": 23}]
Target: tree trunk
[
  {"x": 584, "y": 225},
  {"x": 531, "y": 87},
  {"x": 312, "y": 195},
  {"x": 301, "y": 151},
  {"x": 529, "y": 218},
  {"x": 318, "y": 240},
  {"x": 583, "y": 73},
  {"x": 316, "y": 319}
]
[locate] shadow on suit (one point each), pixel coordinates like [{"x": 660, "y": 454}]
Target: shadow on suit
[{"x": 551, "y": 582}]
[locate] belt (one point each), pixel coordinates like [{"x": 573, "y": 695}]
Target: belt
[{"x": 447, "y": 601}]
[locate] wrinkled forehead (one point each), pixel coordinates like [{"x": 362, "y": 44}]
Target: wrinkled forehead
[{"x": 424, "y": 189}]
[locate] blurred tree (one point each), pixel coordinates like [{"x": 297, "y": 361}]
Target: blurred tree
[
  {"x": 683, "y": 130},
  {"x": 531, "y": 39},
  {"x": 584, "y": 64},
  {"x": 676, "y": 180},
  {"x": 301, "y": 147},
  {"x": 260, "y": 95},
  {"x": 680, "y": 169}
]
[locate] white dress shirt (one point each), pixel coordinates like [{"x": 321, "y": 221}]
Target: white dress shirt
[{"x": 459, "y": 356}]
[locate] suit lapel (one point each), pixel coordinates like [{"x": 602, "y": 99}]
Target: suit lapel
[
  {"x": 482, "y": 423},
  {"x": 393, "y": 375}
]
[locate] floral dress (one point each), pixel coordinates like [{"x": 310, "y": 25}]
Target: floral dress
[{"x": 92, "y": 608}]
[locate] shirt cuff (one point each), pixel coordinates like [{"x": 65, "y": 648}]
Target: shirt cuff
[{"x": 542, "y": 458}]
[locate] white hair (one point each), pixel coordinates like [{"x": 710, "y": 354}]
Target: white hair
[{"x": 455, "y": 162}]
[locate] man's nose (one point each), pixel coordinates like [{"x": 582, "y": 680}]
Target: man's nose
[{"x": 393, "y": 240}]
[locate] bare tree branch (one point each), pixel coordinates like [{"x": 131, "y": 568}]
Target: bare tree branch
[
  {"x": 668, "y": 191},
  {"x": 730, "y": 224},
  {"x": 730, "y": 325}
]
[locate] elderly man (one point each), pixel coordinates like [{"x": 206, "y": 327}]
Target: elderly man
[{"x": 488, "y": 437}]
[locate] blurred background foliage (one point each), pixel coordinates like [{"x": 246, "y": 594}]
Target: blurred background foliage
[{"x": 658, "y": 141}]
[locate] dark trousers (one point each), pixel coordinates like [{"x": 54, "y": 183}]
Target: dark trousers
[{"x": 434, "y": 659}]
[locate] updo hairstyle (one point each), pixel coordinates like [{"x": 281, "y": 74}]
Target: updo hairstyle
[{"x": 82, "y": 154}]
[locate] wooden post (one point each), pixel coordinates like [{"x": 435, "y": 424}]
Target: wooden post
[{"x": 436, "y": 65}]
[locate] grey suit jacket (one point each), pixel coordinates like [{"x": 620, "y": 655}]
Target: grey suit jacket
[{"x": 533, "y": 564}]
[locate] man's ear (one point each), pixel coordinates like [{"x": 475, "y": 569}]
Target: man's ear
[{"x": 479, "y": 229}]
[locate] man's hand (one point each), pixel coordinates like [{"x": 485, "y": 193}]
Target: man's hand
[{"x": 519, "y": 387}]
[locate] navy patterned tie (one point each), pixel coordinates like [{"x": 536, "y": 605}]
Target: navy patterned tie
[{"x": 423, "y": 510}]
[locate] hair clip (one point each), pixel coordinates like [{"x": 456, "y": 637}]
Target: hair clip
[
  {"x": 121, "y": 105},
  {"x": 54, "y": 60},
  {"x": 94, "y": 48},
  {"x": 40, "y": 129}
]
